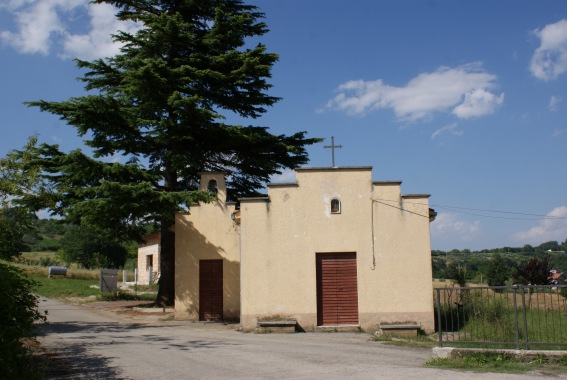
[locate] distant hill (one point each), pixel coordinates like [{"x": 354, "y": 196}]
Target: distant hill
[
  {"x": 45, "y": 236},
  {"x": 475, "y": 263}
]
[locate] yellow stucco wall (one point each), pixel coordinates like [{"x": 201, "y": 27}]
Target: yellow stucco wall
[
  {"x": 282, "y": 235},
  {"x": 207, "y": 232},
  {"x": 269, "y": 260}
]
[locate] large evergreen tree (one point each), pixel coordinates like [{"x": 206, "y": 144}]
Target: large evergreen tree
[{"x": 162, "y": 103}]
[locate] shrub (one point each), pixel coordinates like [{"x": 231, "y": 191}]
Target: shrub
[
  {"x": 18, "y": 306},
  {"x": 91, "y": 248}
]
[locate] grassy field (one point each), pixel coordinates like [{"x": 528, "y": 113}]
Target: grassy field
[
  {"x": 80, "y": 285},
  {"x": 503, "y": 362},
  {"x": 61, "y": 288}
]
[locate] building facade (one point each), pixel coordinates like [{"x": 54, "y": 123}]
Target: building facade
[{"x": 333, "y": 248}]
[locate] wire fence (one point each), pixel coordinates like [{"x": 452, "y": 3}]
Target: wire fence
[{"x": 520, "y": 317}]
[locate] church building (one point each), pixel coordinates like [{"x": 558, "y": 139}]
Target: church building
[{"x": 334, "y": 248}]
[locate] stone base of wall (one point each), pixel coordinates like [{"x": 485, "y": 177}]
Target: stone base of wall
[
  {"x": 305, "y": 322},
  {"x": 368, "y": 322}
]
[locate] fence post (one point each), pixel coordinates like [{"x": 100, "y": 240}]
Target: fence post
[
  {"x": 439, "y": 318},
  {"x": 150, "y": 272},
  {"x": 524, "y": 314},
  {"x": 124, "y": 278},
  {"x": 516, "y": 329},
  {"x": 135, "y": 275}
]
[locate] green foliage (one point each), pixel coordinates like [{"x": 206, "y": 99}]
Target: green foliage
[
  {"x": 17, "y": 316},
  {"x": 14, "y": 221},
  {"x": 45, "y": 235},
  {"x": 483, "y": 316},
  {"x": 457, "y": 273},
  {"x": 488, "y": 317},
  {"x": 549, "y": 246},
  {"x": 482, "y": 362},
  {"x": 51, "y": 228},
  {"x": 533, "y": 272},
  {"x": 497, "y": 272},
  {"x": 91, "y": 248},
  {"x": 126, "y": 296},
  {"x": 477, "y": 263},
  {"x": 130, "y": 264},
  {"x": 493, "y": 361},
  {"x": 19, "y": 176}
]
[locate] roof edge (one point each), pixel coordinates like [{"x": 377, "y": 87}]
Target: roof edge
[
  {"x": 415, "y": 195},
  {"x": 333, "y": 168}
]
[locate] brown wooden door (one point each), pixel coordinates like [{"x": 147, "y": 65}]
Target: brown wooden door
[
  {"x": 337, "y": 291},
  {"x": 210, "y": 290}
]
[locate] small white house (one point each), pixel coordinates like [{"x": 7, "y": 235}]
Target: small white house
[{"x": 149, "y": 257}]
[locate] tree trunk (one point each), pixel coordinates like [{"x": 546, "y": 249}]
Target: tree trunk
[{"x": 166, "y": 292}]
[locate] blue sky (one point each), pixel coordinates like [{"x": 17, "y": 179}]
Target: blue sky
[{"x": 463, "y": 100}]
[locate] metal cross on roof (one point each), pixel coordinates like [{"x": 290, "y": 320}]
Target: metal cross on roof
[{"x": 332, "y": 147}]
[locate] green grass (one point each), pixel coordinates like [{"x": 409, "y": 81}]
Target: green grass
[
  {"x": 492, "y": 320},
  {"x": 502, "y": 362},
  {"x": 419, "y": 341},
  {"x": 64, "y": 288},
  {"x": 41, "y": 258},
  {"x": 126, "y": 296},
  {"x": 547, "y": 326},
  {"x": 61, "y": 287},
  {"x": 77, "y": 284},
  {"x": 542, "y": 326}
]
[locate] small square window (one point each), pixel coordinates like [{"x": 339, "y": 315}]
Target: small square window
[{"x": 335, "y": 206}]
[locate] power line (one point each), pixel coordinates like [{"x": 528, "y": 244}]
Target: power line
[
  {"x": 455, "y": 208},
  {"x": 459, "y": 210},
  {"x": 402, "y": 209}
]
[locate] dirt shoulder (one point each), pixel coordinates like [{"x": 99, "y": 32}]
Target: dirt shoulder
[{"x": 130, "y": 311}]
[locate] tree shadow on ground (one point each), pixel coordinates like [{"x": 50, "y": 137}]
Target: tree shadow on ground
[
  {"x": 72, "y": 355},
  {"x": 75, "y": 362},
  {"x": 88, "y": 327}
]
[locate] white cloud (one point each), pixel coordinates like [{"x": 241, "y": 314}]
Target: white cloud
[
  {"x": 447, "y": 225},
  {"x": 554, "y": 102},
  {"x": 553, "y": 228},
  {"x": 37, "y": 23},
  {"x": 464, "y": 91},
  {"x": 12, "y": 5},
  {"x": 43, "y": 27},
  {"x": 550, "y": 58},
  {"x": 478, "y": 102},
  {"x": 98, "y": 42},
  {"x": 451, "y": 129},
  {"x": 287, "y": 176}
]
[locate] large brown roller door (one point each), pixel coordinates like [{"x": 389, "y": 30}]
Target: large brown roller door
[
  {"x": 337, "y": 291},
  {"x": 210, "y": 290}
]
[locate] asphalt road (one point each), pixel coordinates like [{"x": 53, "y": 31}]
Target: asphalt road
[{"x": 90, "y": 344}]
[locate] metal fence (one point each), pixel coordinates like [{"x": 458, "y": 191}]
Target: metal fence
[{"x": 520, "y": 317}]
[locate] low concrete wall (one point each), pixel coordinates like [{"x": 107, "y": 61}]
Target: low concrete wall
[{"x": 451, "y": 352}]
